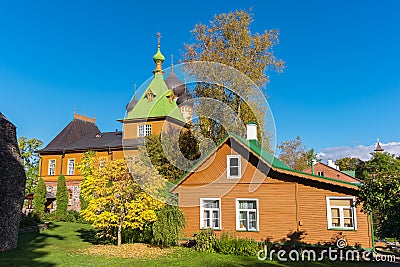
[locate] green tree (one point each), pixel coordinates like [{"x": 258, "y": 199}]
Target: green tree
[
  {"x": 86, "y": 162},
  {"x": 228, "y": 40},
  {"x": 172, "y": 168},
  {"x": 28, "y": 148},
  {"x": 380, "y": 193},
  {"x": 352, "y": 164},
  {"x": 39, "y": 198},
  {"x": 62, "y": 196},
  {"x": 167, "y": 228}
]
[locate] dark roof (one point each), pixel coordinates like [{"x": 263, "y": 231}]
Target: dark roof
[
  {"x": 74, "y": 131},
  {"x": 173, "y": 83},
  {"x": 97, "y": 141},
  {"x": 131, "y": 104},
  {"x": 378, "y": 147}
]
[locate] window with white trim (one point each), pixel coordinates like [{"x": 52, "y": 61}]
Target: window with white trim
[
  {"x": 320, "y": 173},
  {"x": 144, "y": 130},
  {"x": 233, "y": 169},
  {"x": 71, "y": 167},
  {"x": 247, "y": 214},
  {"x": 210, "y": 213},
  {"x": 52, "y": 167},
  {"x": 341, "y": 213}
]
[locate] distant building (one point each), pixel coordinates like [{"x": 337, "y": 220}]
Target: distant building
[
  {"x": 331, "y": 170},
  {"x": 155, "y": 111}
]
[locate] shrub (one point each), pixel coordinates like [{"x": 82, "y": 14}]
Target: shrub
[
  {"x": 205, "y": 240},
  {"x": 70, "y": 216},
  {"x": 229, "y": 244},
  {"x": 30, "y": 219},
  {"x": 167, "y": 228},
  {"x": 39, "y": 198},
  {"x": 61, "y": 197}
]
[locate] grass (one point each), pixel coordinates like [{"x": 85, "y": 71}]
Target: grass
[{"x": 64, "y": 244}]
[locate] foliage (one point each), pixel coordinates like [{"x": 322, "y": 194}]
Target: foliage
[
  {"x": 229, "y": 244},
  {"x": 167, "y": 228},
  {"x": 228, "y": 40},
  {"x": 380, "y": 193},
  {"x": 115, "y": 199},
  {"x": 352, "y": 164},
  {"x": 39, "y": 198},
  {"x": 30, "y": 219},
  {"x": 205, "y": 240},
  {"x": 28, "y": 148},
  {"x": 86, "y": 162},
  {"x": 70, "y": 216},
  {"x": 62, "y": 196},
  {"x": 294, "y": 154},
  {"x": 184, "y": 153}
]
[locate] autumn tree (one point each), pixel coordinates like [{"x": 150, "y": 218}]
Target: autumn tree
[
  {"x": 115, "y": 197},
  {"x": 62, "y": 196},
  {"x": 166, "y": 230},
  {"x": 39, "y": 198},
  {"x": 380, "y": 193},
  {"x": 294, "y": 154},
  {"x": 28, "y": 148},
  {"x": 229, "y": 40}
]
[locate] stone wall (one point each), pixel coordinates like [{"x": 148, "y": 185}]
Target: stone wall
[{"x": 12, "y": 185}]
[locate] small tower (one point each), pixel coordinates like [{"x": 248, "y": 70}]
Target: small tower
[{"x": 378, "y": 148}]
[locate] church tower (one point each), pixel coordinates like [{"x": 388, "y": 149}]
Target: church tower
[{"x": 155, "y": 110}]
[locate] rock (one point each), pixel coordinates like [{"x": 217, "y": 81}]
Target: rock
[{"x": 12, "y": 185}]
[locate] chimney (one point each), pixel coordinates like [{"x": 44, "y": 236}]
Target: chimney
[{"x": 251, "y": 131}]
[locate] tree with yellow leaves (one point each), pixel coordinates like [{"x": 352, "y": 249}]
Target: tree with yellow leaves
[{"x": 114, "y": 197}]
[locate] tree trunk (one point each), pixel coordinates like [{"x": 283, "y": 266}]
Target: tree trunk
[{"x": 120, "y": 233}]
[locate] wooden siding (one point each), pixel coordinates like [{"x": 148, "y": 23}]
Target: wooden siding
[{"x": 284, "y": 207}]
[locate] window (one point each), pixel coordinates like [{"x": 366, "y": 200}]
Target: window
[
  {"x": 233, "y": 166},
  {"x": 52, "y": 167},
  {"x": 49, "y": 188},
  {"x": 247, "y": 214},
  {"x": 341, "y": 213},
  {"x": 210, "y": 213},
  {"x": 320, "y": 173},
  {"x": 144, "y": 130},
  {"x": 69, "y": 197},
  {"x": 71, "y": 167}
]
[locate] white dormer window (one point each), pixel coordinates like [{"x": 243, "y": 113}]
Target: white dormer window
[
  {"x": 233, "y": 164},
  {"x": 144, "y": 130}
]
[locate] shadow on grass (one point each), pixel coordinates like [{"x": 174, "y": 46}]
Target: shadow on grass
[
  {"x": 30, "y": 250},
  {"x": 88, "y": 235}
]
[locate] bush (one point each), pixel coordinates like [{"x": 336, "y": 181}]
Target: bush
[
  {"x": 231, "y": 245},
  {"x": 70, "y": 216},
  {"x": 61, "y": 197},
  {"x": 39, "y": 198},
  {"x": 167, "y": 228},
  {"x": 30, "y": 219},
  {"x": 205, "y": 240}
]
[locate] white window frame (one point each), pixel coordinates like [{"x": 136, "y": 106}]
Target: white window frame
[
  {"x": 341, "y": 213},
  {"x": 321, "y": 173},
  {"x": 68, "y": 167},
  {"x": 144, "y": 130},
  {"x": 53, "y": 172},
  {"x": 248, "y": 210},
  {"x": 202, "y": 208},
  {"x": 228, "y": 166}
]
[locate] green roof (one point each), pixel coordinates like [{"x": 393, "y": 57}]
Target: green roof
[
  {"x": 159, "y": 106},
  {"x": 253, "y": 146},
  {"x": 158, "y": 56}
]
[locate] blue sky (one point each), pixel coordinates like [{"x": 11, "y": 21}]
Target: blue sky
[{"x": 341, "y": 86}]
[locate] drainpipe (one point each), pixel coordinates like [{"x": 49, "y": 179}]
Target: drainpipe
[
  {"x": 372, "y": 232},
  {"x": 312, "y": 166}
]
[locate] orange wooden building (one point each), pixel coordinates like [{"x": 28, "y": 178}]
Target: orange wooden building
[{"x": 241, "y": 188}]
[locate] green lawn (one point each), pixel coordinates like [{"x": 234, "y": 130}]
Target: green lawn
[{"x": 62, "y": 245}]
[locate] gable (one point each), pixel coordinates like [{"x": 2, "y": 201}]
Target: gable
[{"x": 256, "y": 170}]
